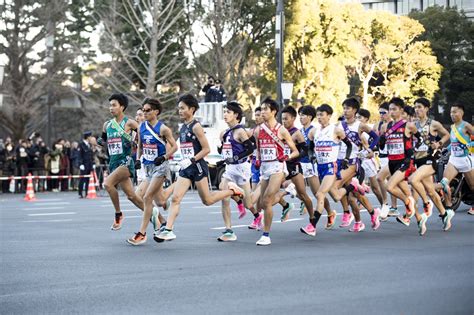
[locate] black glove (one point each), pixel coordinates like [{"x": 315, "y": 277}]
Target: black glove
[
  {"x": 344, "y": 164},
  {"x": 138, "y": 164},
  {"x": 159, "y": 160},
  {"x": 405, "y": 164},
  {"x": 220, "y": 163},
  {"x": 382, "y": 141}
]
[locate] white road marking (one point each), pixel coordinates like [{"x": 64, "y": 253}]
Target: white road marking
[
  {"x": 52, "y": 213},
  {"x": 44, "y": 221},
  {"x": 44, "y": 208}
]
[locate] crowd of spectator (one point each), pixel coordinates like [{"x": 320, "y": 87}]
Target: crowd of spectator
[
  {"x": 214, "y": 90},
  {"x": 33, "y": 156}
]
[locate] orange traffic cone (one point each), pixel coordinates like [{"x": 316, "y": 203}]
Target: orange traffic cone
[
  {"x": 30, "y": 192},
  {"x": 91, "y": 193}
]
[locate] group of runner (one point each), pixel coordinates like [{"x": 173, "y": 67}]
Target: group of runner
[{"x": 272, "y": 160}]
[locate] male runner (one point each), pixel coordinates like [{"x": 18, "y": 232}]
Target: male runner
[
  {"x": 153, "y": 136},
  {"x": 194, "y": 147}
]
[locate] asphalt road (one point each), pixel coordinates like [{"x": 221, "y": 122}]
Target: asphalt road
[{"x": 59, "y": 256}]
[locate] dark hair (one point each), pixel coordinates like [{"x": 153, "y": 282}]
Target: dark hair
[
  {"x": 153, "y": 102},
  {"x": 189, "y": 100},
  {"x": 325, "y": 108},
  {"x": 409, "y": 110},
  {"x": 351, "y": 102},
  {"x": 122, "y": 99},
  {"x": 290, "y": 110},
  {"x": 423, "y": 101},
  {"x": 258, "y": 109},
  {"x": 384, "y": 105},
  {"x": 398, "y": 102},
  {"x": 364, "y": 113},
  {"x": 458, "y": 105},
  {"x": 272, "y": 103},
  {"x": 235, "y": 107},
  {"x": 308, "y": 110}
]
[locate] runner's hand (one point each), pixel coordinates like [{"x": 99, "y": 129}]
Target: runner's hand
[
  {"x": 344, "y": 164},
  {"x": 159, "y": 160},
  {"x": 138, "y": 164},
  {"x": 184, "y": 164}
]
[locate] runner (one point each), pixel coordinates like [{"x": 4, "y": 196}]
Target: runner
[
  {"x": 236, "y": 148},
  {"x": 194, "y": 147},
  {"x": 271, "y": 159},
  {"x": 307, "y": 114},
  {"x": 460, "y": 160},
  {"x": 153, "y": 136},
  {"x": 426, "y": 161},
  {"x": 116, "y": 134},
  {"x": 288, "y": 117},
  {"x": 397, "y": 135}
]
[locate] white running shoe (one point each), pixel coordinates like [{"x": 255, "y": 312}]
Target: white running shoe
[
  {"x": 264, "y": 241},
  {"x": 291, "y": 190}
]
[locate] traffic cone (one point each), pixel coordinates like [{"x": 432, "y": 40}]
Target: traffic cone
[
  {"x": 30, "y": 192},
  {"x": 91, "y": 193}
]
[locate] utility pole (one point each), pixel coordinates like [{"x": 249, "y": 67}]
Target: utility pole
[
  {"x": 279, "y": 34},
  {"x": 49, "y": 66}
]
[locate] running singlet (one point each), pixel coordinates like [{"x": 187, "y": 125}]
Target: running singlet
[
  {"x": 352, "y": 133},
  {"x": 459, "y": 149},
  {"x": 424, "y": 149},
  {"x": 383, "y": 151},
  {"x": 397, "y": 142},
  {"x": 152, "y": 148},
  {"x": 232, "y": 147},
  {"x": 189, "y": 143},
  {"x": 269, "y": 150},
  {"x": 305, "y": 133},
  {"x": 287, "y": 150},
  {"x": 326, "y": 148},
  {"x": 118, "y": 142}
]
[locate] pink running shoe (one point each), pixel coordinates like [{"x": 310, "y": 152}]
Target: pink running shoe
[
  {"x": 241, "y": 208},
  {"x": 357, "y": 186},
  {"x": 347, "y": 219},
  {"x": 309, "y": 230},
  {"x": 374, "y": 219},
  {"x": 357, "y": 227},
  {"x": 257, "y": 223}
]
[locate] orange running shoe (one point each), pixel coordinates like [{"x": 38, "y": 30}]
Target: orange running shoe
[{"x": 117, "y": 221}]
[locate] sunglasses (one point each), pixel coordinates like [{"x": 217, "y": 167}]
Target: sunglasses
[
  {"x": 147, "y": 110},
  {"x": 383, "y": 113}
]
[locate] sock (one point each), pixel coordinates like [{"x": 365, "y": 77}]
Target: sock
[
  {"x": 347, "y": 211},
  {"x": 371, "y": 212},
  {"x": 316, "y": 218},
  {"x": 118, "y": 214},
  {"x": 286, "y": 207},
  {"x": 239, "y": 202},
  {"x": 349, "y": 188},
  {"x": 256, "y": 214},
  {"x": 443, "y": 215},
  {"x": 168, "y": 230},
  {"x": 163, "y": 224},
  {"x": 266, "y": 234}
]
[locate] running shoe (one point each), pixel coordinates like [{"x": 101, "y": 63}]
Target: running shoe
[
  {"x": 428, "y": 209},
  {"x": 291, "y": 190},
  {"x": 302, "y": 208},
  {"x": 471, "y": 211},
  {"x": 384, "y": 213},
  {"x": 241, "y": 208},
  {"x": 444, "y": 183},
  {"x": 357, "y": 186},
  {"x": 138, "y": 239},
  {"x": 403, "y": 219},
  {"x": 347, "y": 219},
  {"x": 365, "y": 187},
  {"x": 393, "y": 212},
  {"x": 410, "y": 207},
  {"x": 257, "y": 223},
  {"x": 154, "y": 219},
  {"x": 447, "y": 219},
  {"x": 309, "y": 230},
  {"x": 166, "y": 235},
  {"x": 117, "y": 225},
  {"x": 374, "y": 219},
  {"x": 331, "y": 220},
  {"x": 167, "y": 204},
  {"x": 422, "y": 224},
  {"x": 264, "y": 241},
  {"x": 238, "y": 192},
  {"x": 357, "y": 227},
  {"x": 285, "y": 214},
  {"x": 227, "y": 236}
]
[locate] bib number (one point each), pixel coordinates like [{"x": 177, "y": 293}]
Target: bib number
[
  {"x": 187, "y": 150},
  {"x": 227, "y": 151},
  {"x": 395, "y": 147},
  {"x": 287, "y": 151},
  {"x": 268, "y": 152},
  {"x": 115, "y": 146},
  {"x": 150, "y": 151},
  {"x": 457, "y": 150}
]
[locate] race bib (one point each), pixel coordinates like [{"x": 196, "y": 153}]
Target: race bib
[
  {"x": 115, "y": 146},
  {"x": 268, "y": 152},
  {"x": 187, "y": 150},
  {"x": 323, "y": 150},
  {"x": 287, "y": 151},
  {"x": 227, "y": 151},
  {"x": 395, "y": 147},
  {"x": 457, "y": 149},
  {"x": 150, "y": 151}
]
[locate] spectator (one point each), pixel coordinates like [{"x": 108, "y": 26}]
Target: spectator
[
  {"x": 8, "y": 165},
  {"x": 65, "y": 165},
  {"x": 54, "y": 165},
  {"x": 37, "y": 154},
  {"x": 74, "y": 157},
  {"x": 208, "y": 89},
  {"x": 86, "y": 162},
  {"x": 22, "y": 163},
  {"x": 219, "y": 92}
]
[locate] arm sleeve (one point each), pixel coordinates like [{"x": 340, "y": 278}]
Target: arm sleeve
[
  {"x": 348, "y": 144},
  {"x": 374, "y": 139},
  {"x": 249, "y": 146},
  {"x": 302, "y": 148}
]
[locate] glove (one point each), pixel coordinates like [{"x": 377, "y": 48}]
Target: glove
[
  {"x": 220, "y": 163},
  {"x": 258, "y": 163},
  {"x": 138, "y": 164},
  {"x": 81, "y": 167},
  {"x": 344, "y": 164},
  {"x": 100, "y": 141},
  {"x": 159, "y": 160},
  {"x": 184, "y": 164},
  {"x": 405, "y": 164}
]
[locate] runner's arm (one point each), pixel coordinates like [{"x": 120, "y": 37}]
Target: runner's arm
[
  {"x": 168, "y": 135},
  {"x": 132, "y": 125},
  {"x": 248, "y": 144},
  {"x": 201, "y": 136},
  {"x": 342, "y": 136},
  {"x": 469, "y": 129},
  {"x": 300, "y": 144},
  {"x": 139, "y": 146},
  {"x": 443, "y": 133},
  {"x": 374, "y": 138},
  {"x": 285, "y": 135}
]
